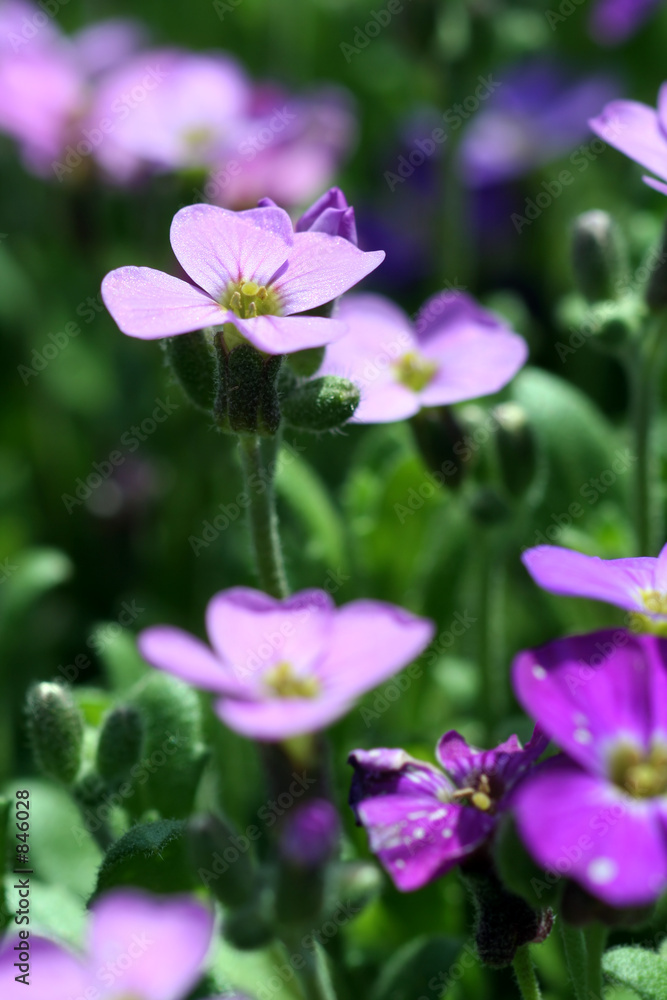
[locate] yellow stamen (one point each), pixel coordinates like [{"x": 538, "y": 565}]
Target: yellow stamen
[{"x": 285, "y": 683}]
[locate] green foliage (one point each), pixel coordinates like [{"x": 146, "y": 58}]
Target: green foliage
[
  {"x": 641, "y": 970},
  {"x": 152, "y": 856},
  {"x": 425, "y": 966}
]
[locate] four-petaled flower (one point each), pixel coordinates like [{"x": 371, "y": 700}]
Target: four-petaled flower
[
  {"x": 455, "y": 351},
  {"x": 291, "y": 667},
  {"x": 598, "y": 812},
  {"x": 637, "y": 584},
  {"x": 246, "y": 268},
  {"x": 422, "y": 821},
  {"x": 140, "y": 946}
]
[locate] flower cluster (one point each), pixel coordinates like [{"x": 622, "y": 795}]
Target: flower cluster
[{"x": 104, "y": 98}]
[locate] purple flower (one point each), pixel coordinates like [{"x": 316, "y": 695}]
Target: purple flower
[
  {"x": 421, "y": 821},
  {"x": 247, "y": 268},
  {"x": 329, "y": 214},
  {"x": 310, "y": 834},
  {"x": 598, "y": 813},
  {"x": 538, "y": 114},
  {"x": 614, "y": 21},
  {"x": 638, "y": 585},
  {"x": 455, "y": 351},
  {"x": 638, "y": 131},
  {"x": 288, "y": 148},
  {"x": 286, "y": 668},
  {"x": 139, "y": 946},
  {"x": 168, "y": 110}
]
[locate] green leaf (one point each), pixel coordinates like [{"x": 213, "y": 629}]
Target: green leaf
[
  {"x": 118, "y": 651},
  {"x": 639, "y": 969},
  {"x": 408, "y": 973},
  {"x": 151, "y": 856},
  {"x": 37, "y": 570}
]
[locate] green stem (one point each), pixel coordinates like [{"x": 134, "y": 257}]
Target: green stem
[
  {"x": 596, "y": 939},
  {"x": 263, "y": 519},
  {"x": 576, "y": 956},
  {"x": 524, "y": 970},
  {"x": 313, "y": 974},
  {"x": 494, "y": 692},
  {"x": 644, "y": 368}
]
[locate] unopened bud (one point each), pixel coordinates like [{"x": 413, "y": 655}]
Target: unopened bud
[
  {"x": 321, "y": 404},
  {"x": 55, "y": 725},
  {"x": 119, "y": 746},
  {"x": 309, "y": 840},
  {"x": 517, "y": 449},
  {"x": 192, "y": 361},
  {"x": 247, "y": 399},
  {"x": 598, "y": 256}
]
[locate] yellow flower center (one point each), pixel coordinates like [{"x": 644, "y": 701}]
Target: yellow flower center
[
  {"x": 415, "y": 371},
  {"x": 286, "y": 683},
  {"x": 642, "y": 777},
  {"x": 248, "y": 299},
  {"x": 479, "y": 797},
  {"x": 655, "y": 601}
]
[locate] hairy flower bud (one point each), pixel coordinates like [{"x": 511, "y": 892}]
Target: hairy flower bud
[
  {"x": 598, "y": 256},
  {"x": 517, "y": 449},
  {"x": 193, "y": 363},
  {"x": 55, "y": 725},
  {"x": 322, "y": 404},
  {"x": 119, "y": 746},
  {"x": 247, "y": 399}
]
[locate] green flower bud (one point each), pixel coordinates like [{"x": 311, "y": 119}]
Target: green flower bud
[
  {"x": 356, "y": 881},
  {"x": 439, "y": 436},
  {"x": 192, "y": 361},
  {"x": 222, "y": 860},
  {"x": 55, "y": 726},
  {"x": 306, "y": 363},
  {"x": 517, "y": 448},
  {"x": 120, "y": 742},
  {"x": 322, "y": 404},
  {"x": 247, "y": 400},
  {"x": 598, "y": 256}
]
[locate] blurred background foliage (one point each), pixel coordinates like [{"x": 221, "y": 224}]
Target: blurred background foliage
[{"x": 357, "y": 517}]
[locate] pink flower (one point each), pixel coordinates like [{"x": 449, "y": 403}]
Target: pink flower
[
  {"x": 638, "y": 131},
  {"x": 455, "y": 351},
  {"x": 139, "y": 946},
  {"x": 247, "y": 268},
  {"x": 286, "y": 668}
]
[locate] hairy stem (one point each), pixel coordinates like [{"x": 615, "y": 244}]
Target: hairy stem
[
  {"x": 263, "y": 519},
  {"x": 524, "y": 970}
]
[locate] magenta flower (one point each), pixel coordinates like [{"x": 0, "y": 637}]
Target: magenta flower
[
  {"x": 247, "y": 268},
  {"x": 139, "y": 946},
  {"x": 638, "y": 585},
  {"x": 168, "y": 110},
  {"x": 288, "y": 148},
  {"x": 455, "y": 351},
  {"x": 286, "y": 668},
  {"x": 598, "y": 812},
  {"x": 614, "y": 21},
  {"x": 638, "y": 131},
  {"x": 422, "y": 821},
  {"x": 329, "y": 214}
]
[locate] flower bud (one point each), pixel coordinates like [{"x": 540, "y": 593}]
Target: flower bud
[
  {"x": 55, "y": 726},
  {"x": 193, "y": 363},
  {"x": 309, "y": 840},
  {"x": 221, "y": 859},
  {"x": 439, "y": 435},
  {"x": 598, "y": 256},
  {"x": 119, "y": 745},
  {"x": 247, "y": 400},
  {"x": 306, "y": 363},
  {"x": 517, "y": 449},
  {"x": 322, "y": 404}
]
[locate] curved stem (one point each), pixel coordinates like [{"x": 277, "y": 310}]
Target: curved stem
[
  {"x": 576, "y": 956},
  {"x": 263, "y": 519},
  {"x": 524, "y": 970}
]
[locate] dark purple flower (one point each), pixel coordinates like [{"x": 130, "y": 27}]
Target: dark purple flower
[
  {"x": 310, "y": 834},
  {"x": 538, "y": 114},
  {"x": 291, "y": 667},
  {"x": 597, "y": 814},
  {"x": 614, "y": 21},
  {"x": 247, "y": 268},
  {"x": 422, "y": 821},
  {"x": 139, "y": 946},
  {"x": 638, "y": 131},
  {"x": 638, "y": 585},
  {"x": 329, "y": 214},
  {"x": 454, "y": 351}
]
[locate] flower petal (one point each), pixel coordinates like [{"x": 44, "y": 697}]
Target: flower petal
[
  {"x": 181, "y": 654},
  {"x": 251, "y": 631},
  {"x": 370, "y": 641},
  {"x": 584, "y": 828},
  {"x": 419, "y": 839},
  {"x": 573, "y": 574},
  {"x": 149, "y": 304},
  {"x": 394, "y": 772},
  {"x": 635, "y": 130},
  {"x": 215, "y": 246},
  {"x": 590, "y": 692},
  {"x": 278, "y": 719},
  {"x": 165, "y": 938},
  {"x": 321, "y": 268},
  {"x": 55, "y": 973},
  {"x": 286, "y": 334}
]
